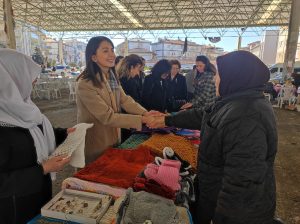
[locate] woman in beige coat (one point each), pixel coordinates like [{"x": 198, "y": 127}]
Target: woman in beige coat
[{"x": 100, "y": 99}]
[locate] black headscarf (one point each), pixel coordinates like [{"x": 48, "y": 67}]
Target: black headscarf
[{"x": 240, "y": 71}]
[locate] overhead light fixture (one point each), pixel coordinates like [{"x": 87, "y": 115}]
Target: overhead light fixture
[
  {"x": 126, "y": 13},
  {"x": 269, "y": 11}
]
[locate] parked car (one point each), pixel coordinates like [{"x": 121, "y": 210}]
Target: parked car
[{"x": 276, "y": 70}]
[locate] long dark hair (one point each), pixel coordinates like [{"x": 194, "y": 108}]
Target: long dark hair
[
  {"x": 92, "y": 69},
  {"x": 209, "y": 67},
  {"x": 161, "y": 67},
  {"x": 125, "y": 65}
]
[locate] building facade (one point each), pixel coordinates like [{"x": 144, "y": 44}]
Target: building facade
[
  {"x": 269, "y": 46},
  {"x": 282, "y": 40},
  {"x": 74, "y": 52},
  {"x": 140, "y": 47},
  {"x": 173, "y": 49},
  {"x": 266, "y": 49}
]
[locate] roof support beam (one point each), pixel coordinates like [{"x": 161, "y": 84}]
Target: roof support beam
[
  {"x": 9, "y": 23},
  {"x": 292, "y": 40}
]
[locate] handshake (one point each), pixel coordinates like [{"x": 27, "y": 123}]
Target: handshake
[{"x": 154, "y": 119}]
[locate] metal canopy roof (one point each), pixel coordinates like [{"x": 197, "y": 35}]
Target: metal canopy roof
[{"x": 103, "y": 15}]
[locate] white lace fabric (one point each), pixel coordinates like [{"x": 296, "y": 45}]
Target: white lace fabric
[
  {"x": 3, "y": 124},
  {"x": 74, "y": 145}
]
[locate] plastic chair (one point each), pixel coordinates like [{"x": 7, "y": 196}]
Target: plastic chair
[
  {"x": 286, "y": 94},
  {"x": 55, "y": 88},
  {"x": 43, "y": 89},
  {"x": 72, "y": 93},
  {"x": 268, "y": 96}
]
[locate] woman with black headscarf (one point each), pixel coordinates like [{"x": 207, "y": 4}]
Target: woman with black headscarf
[
  {"x": 236, "y": 183},
  {"x": 154, "y": 94}
]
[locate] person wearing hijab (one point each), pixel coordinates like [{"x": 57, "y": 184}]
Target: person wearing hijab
[
  {"x": 154, "y": 94},
  {"x": 27, "y": 139},
  {"x": 235, "y": 172},
  {"x": 177, "y": 90}
]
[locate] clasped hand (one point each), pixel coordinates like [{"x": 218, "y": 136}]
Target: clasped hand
[{"x": 154, "y": 119}]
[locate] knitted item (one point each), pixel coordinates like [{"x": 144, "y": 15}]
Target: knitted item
[
  {"x": 185, "y": 169},
  {"x": 151, "y": 186},
  {"x": 74, "y": 145},
  {"x": 138, "y": 207},
  {"x": 108, "y": 217},
  {"x": 165, "y": 130},
  {"x": 166, "y": 174},
  {"x": 133, "y": 141},
  {"x": 117, "y": 167},
  {"x": 183, "y": 147},
  {"x": 183, "y": 214},
  {"x": 188, "y": 132},
  {"x": 84, "y": 185}
]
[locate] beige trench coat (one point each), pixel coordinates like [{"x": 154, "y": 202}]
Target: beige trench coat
[{"x": 98, "y": 106}]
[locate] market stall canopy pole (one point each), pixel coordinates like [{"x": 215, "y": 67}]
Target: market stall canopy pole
[
  {"x": 292, "y": 39},
  {"x": 9, "y": 24}
]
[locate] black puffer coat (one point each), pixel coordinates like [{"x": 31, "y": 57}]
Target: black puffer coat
[
  {"x": 236, "y": 183},
  {"x": 236, "y": 158},
  {"x": 24, "y": 189}
]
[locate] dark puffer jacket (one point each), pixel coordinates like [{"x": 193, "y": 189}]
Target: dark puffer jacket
[
  {"x": 236, "y": 182},
  {"x": 24, "y": 189}
]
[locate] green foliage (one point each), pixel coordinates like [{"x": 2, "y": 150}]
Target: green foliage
[
  {"x": 38, "y": 56},
  {"x": 72, "y": 64}
]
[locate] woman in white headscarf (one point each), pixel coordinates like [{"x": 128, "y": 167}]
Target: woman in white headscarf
[{"x": 26, "y": 140}]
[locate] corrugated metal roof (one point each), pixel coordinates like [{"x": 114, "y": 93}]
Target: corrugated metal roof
[{"x": 101, "y": 15}]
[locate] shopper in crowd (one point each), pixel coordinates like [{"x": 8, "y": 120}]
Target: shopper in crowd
[
  {"x": 128, "y": 71},
  {"x": 269, "y": 88},
  {"x": 27, "y": 139},
  {"x": 296, "y": 77},
  {"x": 154, "y": 96},
  {"x": 236, "y": 181},
  {"x": 142, "y": 73},
  {"x": 177, "y": 90},
  {"x": 204, "y": 84},
  {"x": 190, "y": 80},
  {"x": 118, "y": 60},
  {"x": 100, "y": 99}
]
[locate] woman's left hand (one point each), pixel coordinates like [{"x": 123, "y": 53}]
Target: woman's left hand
[{"x": 70, "y": 130}]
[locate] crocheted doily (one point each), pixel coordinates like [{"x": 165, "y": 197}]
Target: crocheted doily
[{"x": 74, "y": 145}]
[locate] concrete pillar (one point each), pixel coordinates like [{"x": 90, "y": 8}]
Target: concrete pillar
[
  {"x": 9, "y": 22},
  {"x": 292, "y": 40},
  {"x": 239, "y": 42},
  {"x": 126, "y": 47},
  {"x": 60, "y": 52}
]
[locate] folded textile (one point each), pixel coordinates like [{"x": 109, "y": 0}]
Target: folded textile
[
  {"x": 109, "y": 216},
  {"x": 133, "y": 141},
  {"x": 185, "y": 169},
  {"x": 184, "y": 215},
  {"x": 183, "y": 147},
  {"x": 117, "y": 167},
  {"x": 165, "y": 130},
  {"x": 139, "y": 207},
  {"x": 151, "y": 186},
  {"x": 84, "y": 185},
  {"x": 188, "y": 132},
  {"x": 166, "y": 174},
  {"x": 74, "y": 145}
]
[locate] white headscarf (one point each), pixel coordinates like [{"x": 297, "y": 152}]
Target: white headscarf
[{"x": 17, "y": 72}]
